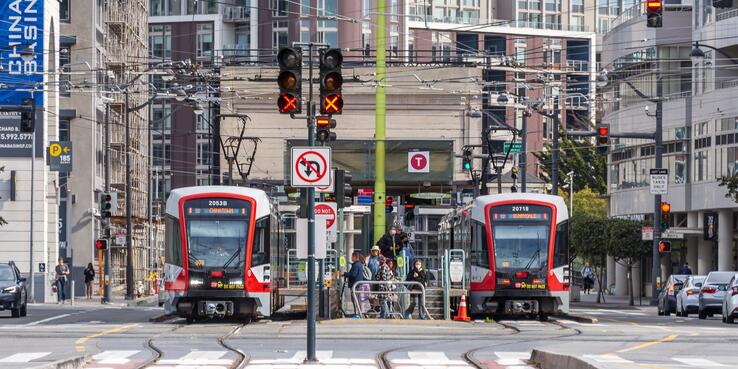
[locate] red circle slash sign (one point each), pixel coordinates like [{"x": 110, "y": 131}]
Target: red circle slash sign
[{"x": 309, "y": 163}]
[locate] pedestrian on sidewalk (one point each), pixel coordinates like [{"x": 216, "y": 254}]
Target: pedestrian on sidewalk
[
  {"x": 89, "y": 277},
  {"x": 384, "y": 274},
  {"x": 355, "y": 274},
  {"x": 61, "y": 271},
  {"x": 389, "y": 244},
  {"x": 685, "y": 270},
  {"x": 417, "y": 274},
  {"x": 588, "y": 275}
]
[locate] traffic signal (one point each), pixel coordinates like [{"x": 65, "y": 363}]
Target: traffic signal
[
  {"x": 108, "y": 204},
  {"x": 664, "y": 247},
  {"x": 101, "y": 244},
  {"x": 388, "y": 204},
  {"x": 323, "y": 126},
  {"x": 467, "y": 159},
  {"x": 290, "y": 80},
  {"x": 603, "y": 138},
  {"x": 654, "y": 13},
  {"x": 343, "y": 188},
  {"x": 331, "y": 80},
  {"x": 28, "y": 123},
  {"x": 665, "y": 215}
]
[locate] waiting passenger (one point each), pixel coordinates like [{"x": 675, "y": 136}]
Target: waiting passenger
[{"x": 416, "y": 274}]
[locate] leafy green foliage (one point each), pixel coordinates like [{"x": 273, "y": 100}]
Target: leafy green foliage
[
  {"x": 579, "y": 156},
  {"x": 589, "y": 238},
  {"x": 588, "y": 202},
  {"x": 624, "y": 241},
  {"x": 731, "y": 182}
]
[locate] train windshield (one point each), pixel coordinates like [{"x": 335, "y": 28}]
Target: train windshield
[
  {"x": 520, "y": 235},
  {"x": 217, "y": 232}
]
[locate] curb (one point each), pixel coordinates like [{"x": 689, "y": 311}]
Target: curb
[
  {"x": 579, "y": 318},
  {"x": 71, "y": 363},
  {"x": 549, "y": 360},
  {"x": 161, "y": 318}
]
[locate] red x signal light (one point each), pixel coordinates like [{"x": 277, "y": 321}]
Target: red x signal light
[
  {"x": 287, "y": 104},
  {"x": 332, "y": 104},
  {"x": 654, "y": 4}
]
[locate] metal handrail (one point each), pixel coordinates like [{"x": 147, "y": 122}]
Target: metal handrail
[
  {"x": 389, "y": 283},
  {"x": 727, "y": 15}
]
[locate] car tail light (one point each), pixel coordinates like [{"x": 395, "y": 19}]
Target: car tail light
[
  {"x": 218, "y": 274},
  {"x": 522, "y": 275},
  {"x": 735, "y": 291},
  {"x": 709, "y": 289},
  {"x": 692, "y": 292}
]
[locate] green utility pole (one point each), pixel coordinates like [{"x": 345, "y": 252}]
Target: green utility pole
[{"x": 379, "y": 124}]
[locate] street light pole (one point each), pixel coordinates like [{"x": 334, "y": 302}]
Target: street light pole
[
  {"x": 524, "y": 151},
  {"x": 310, "y": 193},
  {"x": 129, "y": 216},
  {"x": 106, "y": 231},
  {"x": 656, "y": 266},
  {"x": 555, "y": 147}
]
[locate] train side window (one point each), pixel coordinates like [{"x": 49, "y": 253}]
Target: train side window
[
  {"x": 561, "y": 254},
  {"x": 173, "y": 242},
  {"x": 260, "y": 249},
  {"x": 480, "y": 248}
]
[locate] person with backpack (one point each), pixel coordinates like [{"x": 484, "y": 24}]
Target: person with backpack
[
  {"x": 416, "y": 274},
  {"x": 356, "y": 274}
]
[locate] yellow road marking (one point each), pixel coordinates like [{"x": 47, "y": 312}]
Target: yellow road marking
[
  {"x": 79, "y": 344},
  {"x": 649, "y": 344}
]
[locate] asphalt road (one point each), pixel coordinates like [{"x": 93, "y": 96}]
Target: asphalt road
[{"x": 124, "y": 338}]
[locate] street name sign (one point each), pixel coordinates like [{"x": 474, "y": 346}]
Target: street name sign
[
  {"x": 517, "y": 147},
  {"x": 659, "y": 181},
  {"x": 311, "y": 166}
]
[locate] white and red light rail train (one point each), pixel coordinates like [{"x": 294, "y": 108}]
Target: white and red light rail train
[
  {"x": 517, "y": 253},
  {"x": 220, "y": 243}
]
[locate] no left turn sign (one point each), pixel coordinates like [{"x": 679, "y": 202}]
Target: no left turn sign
[{"x": 311, "y": 166}]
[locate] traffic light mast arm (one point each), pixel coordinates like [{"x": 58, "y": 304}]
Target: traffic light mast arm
[
  {"x": 16, "y": 108},
  {"x": 641, "y": 135}
]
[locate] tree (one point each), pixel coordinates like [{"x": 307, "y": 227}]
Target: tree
[
  {"x": 588, "y": 241},
  {"x": 731, "y": 183},
  {"x": 588, "y": 202},
  {"x": 579, "y": 156},
  {"x": 625, "y": 245}
]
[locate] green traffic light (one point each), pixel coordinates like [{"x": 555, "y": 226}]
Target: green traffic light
[{"x": 467, "y": 166}]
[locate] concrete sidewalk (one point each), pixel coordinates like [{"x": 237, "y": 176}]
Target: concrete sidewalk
[
  {"x": 116, "y": 300},
  {"x": 610, "y": 302}
]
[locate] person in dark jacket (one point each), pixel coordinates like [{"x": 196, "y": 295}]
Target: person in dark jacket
[
  {"x": 89, "y": 277},
  {"x": 389, "y": 244},
  {"x": 685, "y": 269},
  {"x": 416, "y": 274},
  {"x": 355, "y": 274}
]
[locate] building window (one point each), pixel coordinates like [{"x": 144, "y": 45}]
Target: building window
[
  {"x": 160, "y": 41},
  {"x": 99, "y": 11},
  {"x": 700, "y": 166},
  {"x": 279, "y": 34},
  {"x": 65, "y": 59},
  {"x": 577, "y": 6},
  {"x": 161, "y": 118},
  {"x": 64, "y": 10},
  {"x": 204, "y": 40},
  {"x": 366, "y": 9},
  {"x": 279, "y": 8},
  {"x": 204, "y": 151},
  {"x": 174, "y": 7},
  {"x": 602, "y": 7},
  {"x": 577, "y": 23},
  {"x": 156, "y": 7}
]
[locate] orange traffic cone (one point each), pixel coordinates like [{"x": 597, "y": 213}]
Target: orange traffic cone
[{"x": 462, "y": 316}]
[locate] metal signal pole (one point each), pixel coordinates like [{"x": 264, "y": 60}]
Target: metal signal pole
[
  {"x": 380, "y": 125},
  {"x": 310, "y": 193}
]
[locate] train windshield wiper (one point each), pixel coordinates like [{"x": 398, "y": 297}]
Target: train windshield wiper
[
  {"x": 233, "y": 257},
  {"x": 535, "y": 254}
]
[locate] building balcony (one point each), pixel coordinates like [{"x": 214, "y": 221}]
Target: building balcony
[{"x": 236, "y": 14}]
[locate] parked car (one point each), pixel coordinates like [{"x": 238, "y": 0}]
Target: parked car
[
  {"x": 688, "y": 299},
  {"x": 667, "y": 296},
  {"x": 712, "y": 292},
  {"x": 13, "y": 293},
  {"x": 730, "y": 301}
]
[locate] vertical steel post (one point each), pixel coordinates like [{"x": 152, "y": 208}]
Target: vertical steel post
[
  {"x": 656, "y": 266},
  {"x": 106, "y": 229},
  {"x": 129, "y": 216},
  {"x": 33, "y": 191},
  {"x": 311, "y": 358},
  {"x": 555, "y": 148},
  {"x": 524, "y": 154},
  {"x": 380, "y": 123}
]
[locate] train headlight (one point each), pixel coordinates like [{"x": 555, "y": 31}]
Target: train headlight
[
  {"x": 195, "y": 282},
  {"x": 236, "y": 281}
]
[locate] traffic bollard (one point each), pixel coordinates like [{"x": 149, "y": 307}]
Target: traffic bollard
[{"x": 71, "y": 294}]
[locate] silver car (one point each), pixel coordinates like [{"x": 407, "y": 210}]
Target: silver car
[
  {"x": 730, "y": 301},
  {"x": 712, "y": 292},
  {"x": 688, "y": 298}
]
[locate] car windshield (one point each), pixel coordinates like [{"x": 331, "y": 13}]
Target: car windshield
[
  {"x": 719, "y": 277},
  {"x": 6, "y": 274},
  {"x": 697, "y": 281}
]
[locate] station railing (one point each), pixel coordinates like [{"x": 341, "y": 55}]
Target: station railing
[{"x": 401, "y": 288}]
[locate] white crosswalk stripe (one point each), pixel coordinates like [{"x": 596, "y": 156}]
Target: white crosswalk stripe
[
  {"x": 24, "y": 357},
  {"x": 698, "y": 362},
  {"x": 612, "y": 359},
  {"x": 114, "y": 356},
  {"x": 325, "y": 361}
]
